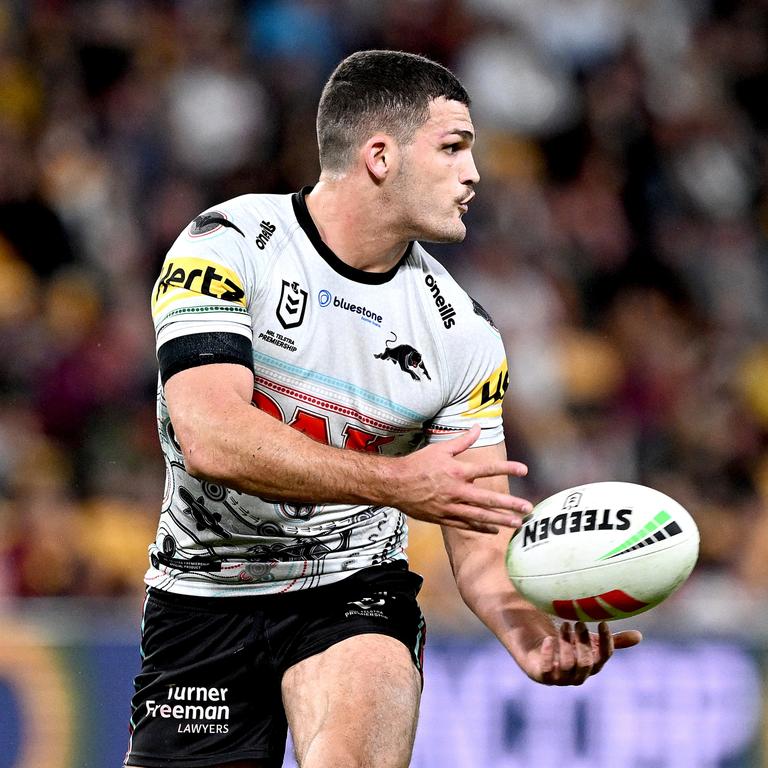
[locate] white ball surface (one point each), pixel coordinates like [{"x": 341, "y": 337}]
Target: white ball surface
[{"x": 602, "y": 551}]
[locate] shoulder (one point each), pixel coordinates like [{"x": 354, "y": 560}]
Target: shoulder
[
  {"x": 462, "y": 317},
  {"x": 254, "y": 218},
  {"x": 241, "y": 234},
  {"x": 225, "y": 251}
]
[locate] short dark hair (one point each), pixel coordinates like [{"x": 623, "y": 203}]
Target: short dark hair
[{"x": 378, "y": 90}]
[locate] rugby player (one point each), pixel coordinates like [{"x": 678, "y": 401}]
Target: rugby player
[{"x": 322, "y": 377}]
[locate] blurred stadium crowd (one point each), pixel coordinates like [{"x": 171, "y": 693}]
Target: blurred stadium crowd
[{"x": 618, "y": 240}]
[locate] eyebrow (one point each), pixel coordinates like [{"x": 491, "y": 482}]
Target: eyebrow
[{"x": 465, "y": 135}]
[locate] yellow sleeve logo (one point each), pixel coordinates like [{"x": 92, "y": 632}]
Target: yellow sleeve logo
[
  {"x": 189, "y": 277},
  {"x": 485, "y": 400}
]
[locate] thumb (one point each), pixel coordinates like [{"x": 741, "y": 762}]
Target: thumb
[
  {"x": 460, "y": 444},
  {"x": 627, "y": 638}
]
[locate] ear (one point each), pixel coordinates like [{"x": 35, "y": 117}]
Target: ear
[{"x": 380, "y": 155}]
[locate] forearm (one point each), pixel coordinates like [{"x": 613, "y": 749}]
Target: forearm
[
  {"x": 225, "y": 440},
  {"x": 250, "y": 451},
  {"x": 478, "y": 567}
]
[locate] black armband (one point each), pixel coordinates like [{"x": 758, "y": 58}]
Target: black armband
[{"x": 203, "y": 349}]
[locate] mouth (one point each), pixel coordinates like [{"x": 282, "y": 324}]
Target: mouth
[{"x": 464, "y": 203}]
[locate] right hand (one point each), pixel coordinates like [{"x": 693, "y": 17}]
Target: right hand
[{"x": 437, "y": 487}]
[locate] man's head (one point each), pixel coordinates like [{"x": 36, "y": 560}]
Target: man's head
[
  {"x": 371, "y": 91},
  {"x": 404, "y": 121}
]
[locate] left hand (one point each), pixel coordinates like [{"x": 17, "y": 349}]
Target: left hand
[{"x": 575, "y": 653}]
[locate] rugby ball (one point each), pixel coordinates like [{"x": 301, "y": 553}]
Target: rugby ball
[{"x": 602, "y": 551}]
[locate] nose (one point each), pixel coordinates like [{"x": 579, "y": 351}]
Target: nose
[{"x": 469, "y": 172}]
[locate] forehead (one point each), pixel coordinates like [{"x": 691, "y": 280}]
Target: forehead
[{"x": 447, "y": 117}]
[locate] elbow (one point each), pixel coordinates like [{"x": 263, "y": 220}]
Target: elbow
[
  {"x": 202, "y": 461},
  {"x": 207, "y": 462},
  {"x": 197, "y": 465},
  {"x": 198, "y": 469}
]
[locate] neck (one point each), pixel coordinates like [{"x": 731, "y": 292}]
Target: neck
[{"x": 353, "y": 222}]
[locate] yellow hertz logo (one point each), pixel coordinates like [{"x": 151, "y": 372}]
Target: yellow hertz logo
[
  {"x": 190, "y": 277},
  {"x": 486, "y": 397}
]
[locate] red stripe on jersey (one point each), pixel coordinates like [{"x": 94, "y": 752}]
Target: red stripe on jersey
[{"x": 327, "y": 405}]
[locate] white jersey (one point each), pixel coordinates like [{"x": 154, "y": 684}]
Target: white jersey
[{"x": 381, "y": 362}]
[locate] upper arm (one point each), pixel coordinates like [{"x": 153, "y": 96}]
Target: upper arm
[
  {"x": 460, "y": 543},
  {"x": 196, "y": 395},
  {"x": 207, "y": 401}
]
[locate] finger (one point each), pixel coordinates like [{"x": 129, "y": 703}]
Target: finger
[
  {"x": 567, "y": 655},
  {"x": 579, "y": 654},
  {"x": 605, "y": 640},
  {"x": 547, "y": 660},
  {"x": 493, "y": 500},
  {"x": 495, "y": 468},
  {"x": 585, "y": 656},
  {"x": 627, "y": 638},
  {"x": 605, "y": 646},
  {"x": 460, "y": 444}
]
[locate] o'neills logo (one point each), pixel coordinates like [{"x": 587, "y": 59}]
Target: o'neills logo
[
  {"x": 446, "y": 310},
  {"x": 201, "y": 712},
  {"x": 575, "y": 521},
  {"x": 267, "y": 230}
]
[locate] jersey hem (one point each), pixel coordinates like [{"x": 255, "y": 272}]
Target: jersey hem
[
  {"x": 481, "y": 442},
  {"x": 180, "y": 587}
]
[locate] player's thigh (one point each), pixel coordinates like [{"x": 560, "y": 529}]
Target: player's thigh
[{"x": 355, "y": 705}]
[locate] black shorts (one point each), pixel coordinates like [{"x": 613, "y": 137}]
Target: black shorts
[{"x": 209, "y": 687}]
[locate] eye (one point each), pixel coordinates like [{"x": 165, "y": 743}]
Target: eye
[{"x": 452, "y": 149}]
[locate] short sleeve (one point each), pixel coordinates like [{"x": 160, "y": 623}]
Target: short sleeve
[
  {"x": 478, "y": 392},
  {"x": 204, "y": 283}
]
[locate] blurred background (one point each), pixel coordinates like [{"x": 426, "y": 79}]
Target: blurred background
[{"x": 619, "y": 240}]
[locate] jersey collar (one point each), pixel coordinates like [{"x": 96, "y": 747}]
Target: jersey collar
[{"x": 334, "y": 262}]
